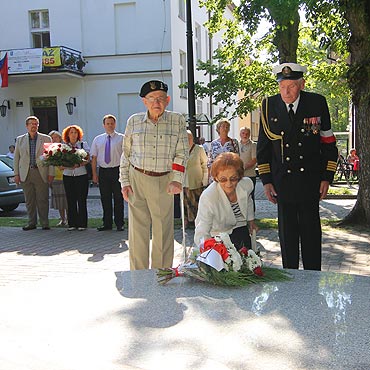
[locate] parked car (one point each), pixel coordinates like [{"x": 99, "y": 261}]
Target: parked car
[
  {"x": 7, "y": 160},
  {"x": 10, "y": 194}
]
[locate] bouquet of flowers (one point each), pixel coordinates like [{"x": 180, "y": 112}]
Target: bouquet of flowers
[
  {"x": 220, "y": 263},
  {"x": 58, "y": 154}
]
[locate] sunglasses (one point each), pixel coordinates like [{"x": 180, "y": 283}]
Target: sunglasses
[{"x": 231, "y": 179}]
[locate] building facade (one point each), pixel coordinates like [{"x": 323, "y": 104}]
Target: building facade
[{"x": 95, "y": 55}]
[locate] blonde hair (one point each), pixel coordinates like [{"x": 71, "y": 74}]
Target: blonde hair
[
  {"x": 54, "y": 132},
  {"x": 220, "y": 122}
]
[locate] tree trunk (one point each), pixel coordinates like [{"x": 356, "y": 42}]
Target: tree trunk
[
  {"x": 286, "y": 37},
  {"x": 357, "y": 13}
]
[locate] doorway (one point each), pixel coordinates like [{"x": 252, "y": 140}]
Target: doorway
[{"x": 45, "y": 109}]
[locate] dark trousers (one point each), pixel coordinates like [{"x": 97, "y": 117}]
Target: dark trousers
[
  {"x": 76, "y": 188},
  {"x": 240, "y": 238},
  {"x": 300, "y": 222},
  {"x": 108, "y": 185},
  {"x": 254, "y": 179}
]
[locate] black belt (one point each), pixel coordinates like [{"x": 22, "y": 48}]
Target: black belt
[
  {"x": 32, "y": 166},
  {"x": 151, "y": 173},
  {"x": 108, "y": 168}
]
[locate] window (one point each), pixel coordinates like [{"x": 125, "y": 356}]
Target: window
[
  {"x": 182, "y": 12},
  {"x": 198, "y": 42},
  {"x": 199, "y": 107},
  {"x": 208, "y": 45},
  {"x": 40, "y": 31},
  {"x": 183, "y": 79}
]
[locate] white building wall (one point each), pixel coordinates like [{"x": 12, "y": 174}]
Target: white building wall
[{"x": 125, "y": 45}]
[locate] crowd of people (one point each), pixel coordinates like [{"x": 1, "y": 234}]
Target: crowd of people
[{"x": 157, "y": 158}]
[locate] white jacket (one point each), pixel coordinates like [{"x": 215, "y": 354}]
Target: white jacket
[{"x": 215, "y": 214}]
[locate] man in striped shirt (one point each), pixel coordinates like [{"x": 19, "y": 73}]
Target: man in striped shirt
[{"x": 155, "y": 151}]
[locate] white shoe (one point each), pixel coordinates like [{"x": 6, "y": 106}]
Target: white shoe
[
  {"x": 81, "y": 228},
  {"x": 72, "y": 228},
  {"x": 61, "y": 223}
]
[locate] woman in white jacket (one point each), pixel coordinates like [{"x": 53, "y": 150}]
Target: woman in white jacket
[{"x": 226, "y": 205}]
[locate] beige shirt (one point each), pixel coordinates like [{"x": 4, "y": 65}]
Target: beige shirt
[
  {"x": 248, "y": 151},
  {"x": 159, "y": 147},
  {"x": 196, "y": 174}
]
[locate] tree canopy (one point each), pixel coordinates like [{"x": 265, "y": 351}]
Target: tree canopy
[{"x": 333, "y": 40}]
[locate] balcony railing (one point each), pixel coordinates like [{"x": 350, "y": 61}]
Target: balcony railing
[
  {"x": 62, "y": 58},
  {"x": 44, "y": 60}
]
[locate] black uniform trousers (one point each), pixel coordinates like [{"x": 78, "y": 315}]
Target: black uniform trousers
[
  {"x": 300, "y": 222},
  {"x": 108, "y": 185}
]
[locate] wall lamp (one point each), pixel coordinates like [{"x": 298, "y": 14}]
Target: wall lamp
[
  {"x": 3, "y": 107},
  {"x": 70, "y": 105}
]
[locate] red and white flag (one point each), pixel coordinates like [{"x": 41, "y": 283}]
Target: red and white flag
[{"x": 4, "y": 71}]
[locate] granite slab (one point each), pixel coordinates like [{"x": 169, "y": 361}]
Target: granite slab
[{"x": 126, "y": 320}]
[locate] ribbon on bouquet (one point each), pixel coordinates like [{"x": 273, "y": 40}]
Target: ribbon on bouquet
[{"x": 254, "y": 241}]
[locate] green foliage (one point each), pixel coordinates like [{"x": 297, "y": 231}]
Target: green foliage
[{"x": 238, "y": 66}]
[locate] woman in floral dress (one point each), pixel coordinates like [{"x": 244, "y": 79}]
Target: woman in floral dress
[{"x": 223, "y": 143}]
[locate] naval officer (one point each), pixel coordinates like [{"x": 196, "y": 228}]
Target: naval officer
[{"x": 297, "y": 156}]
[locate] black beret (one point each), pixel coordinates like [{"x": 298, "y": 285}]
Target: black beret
[
  {"x": 153, "y": 85},
  {"x": 289, "y": 71}
]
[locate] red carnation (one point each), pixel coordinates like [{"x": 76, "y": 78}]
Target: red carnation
[
  {"x": 258, "y": 271},
  {"x": 243, "y": 251}
]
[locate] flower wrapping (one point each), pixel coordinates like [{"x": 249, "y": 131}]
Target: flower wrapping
[
  {"x": 220, "y": 263},
  {"x": 59, "y": 154}
]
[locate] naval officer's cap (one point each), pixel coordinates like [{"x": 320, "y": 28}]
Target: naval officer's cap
[
  {"x": 289, "y": 71},
  {"x": 151, "y": 86}
]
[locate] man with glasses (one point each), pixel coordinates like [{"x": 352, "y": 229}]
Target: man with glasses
[
  {"x": 32, "y": 175},
  {"x": 155, "y": 151}
]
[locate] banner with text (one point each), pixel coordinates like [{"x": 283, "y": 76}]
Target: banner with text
[
  {"x": 51, "y": 57},
  {"x": 25, "y": 61}
]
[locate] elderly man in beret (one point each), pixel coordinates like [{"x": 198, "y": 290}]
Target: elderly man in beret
[
  {"x": 297, "y": 157},
  {"x": 155, "y": 151}
]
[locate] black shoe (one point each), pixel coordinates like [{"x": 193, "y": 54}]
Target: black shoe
[
  {"x": 103, "y": 228},
  {"x": 29, "y": 227},
  {"x": 46, "y": 228},
  {"x": 120, "y": 228}
]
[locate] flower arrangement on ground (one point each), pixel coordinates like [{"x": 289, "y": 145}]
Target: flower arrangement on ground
[
  {"x": 220, "y": 263},
  {"x": 58, "y": 154}
]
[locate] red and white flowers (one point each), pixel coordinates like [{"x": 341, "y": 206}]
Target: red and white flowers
[
  {"x": 220, "y": 263},
  {"x": 59, "y": 154}
]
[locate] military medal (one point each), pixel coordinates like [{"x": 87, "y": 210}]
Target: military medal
[{"x": 311, "y": 125}]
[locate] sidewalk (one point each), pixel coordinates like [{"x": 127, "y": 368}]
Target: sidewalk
[{"x": 35, "y": 255}]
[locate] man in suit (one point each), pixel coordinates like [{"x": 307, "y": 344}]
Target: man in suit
[
  {"x": 297, "y": 156},
  {"x": 106, "y": 151},
  {"x": 32, "y": 175}
]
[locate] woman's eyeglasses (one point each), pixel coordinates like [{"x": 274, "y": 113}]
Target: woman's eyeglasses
[{"x": 225, "y": 179}]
